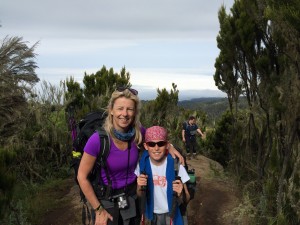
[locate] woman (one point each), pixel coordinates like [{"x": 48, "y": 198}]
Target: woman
[{"x": 126, "y": 134}]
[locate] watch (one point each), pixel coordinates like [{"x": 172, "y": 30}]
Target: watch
[{"x": 99, "y": 209}]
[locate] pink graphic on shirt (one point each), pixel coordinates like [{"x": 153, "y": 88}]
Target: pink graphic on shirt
[{"x": 159, "y": 181}]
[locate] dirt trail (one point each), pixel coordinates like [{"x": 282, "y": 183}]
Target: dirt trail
[{"x": 215, "y": 196}]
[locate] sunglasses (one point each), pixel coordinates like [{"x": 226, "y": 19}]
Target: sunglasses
[
  {"x": 159, "y": 144},
  {"x": 123, "y": 88}
]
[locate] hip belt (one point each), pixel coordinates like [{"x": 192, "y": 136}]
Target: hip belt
[{"x": 102, "y": 191}]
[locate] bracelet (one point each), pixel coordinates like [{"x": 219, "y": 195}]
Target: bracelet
[{"x": 99, "y": 209}]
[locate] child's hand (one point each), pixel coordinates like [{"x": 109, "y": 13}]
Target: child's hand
[
  {"x": 142, "y": 180},
  {"x": 177, "y": 187}
]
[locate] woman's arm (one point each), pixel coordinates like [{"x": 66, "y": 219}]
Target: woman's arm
[
  {"x": 173, "y": 151},
  {"x": 86, "y": 165}
]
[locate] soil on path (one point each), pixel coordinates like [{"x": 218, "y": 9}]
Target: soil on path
[{"x": 215, "y": 197}]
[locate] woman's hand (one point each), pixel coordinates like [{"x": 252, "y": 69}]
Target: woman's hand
[
  {"x": 177, "y": 187},
  {"x": 102, "y": 217},
  {"x": 173, "y": 151}
]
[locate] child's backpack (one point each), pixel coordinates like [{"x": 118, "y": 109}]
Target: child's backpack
[{"x": 191, "y": 184}]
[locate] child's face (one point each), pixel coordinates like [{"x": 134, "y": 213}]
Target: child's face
[{"x": 157, "y": 149}]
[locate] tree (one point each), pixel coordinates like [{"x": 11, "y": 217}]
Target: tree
[
  {"x": 164, "y": 103},
  {"x": 259, "y": 55},
  {"x": 226, "y": 76},
  {"x": 17, "y": 76},
  {"x": 96, "y": 91}
]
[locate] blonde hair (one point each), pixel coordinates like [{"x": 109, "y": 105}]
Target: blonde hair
[{"x": 136, "y": 124}]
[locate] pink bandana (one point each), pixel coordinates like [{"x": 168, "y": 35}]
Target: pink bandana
[{"x": 156, "y": 133}]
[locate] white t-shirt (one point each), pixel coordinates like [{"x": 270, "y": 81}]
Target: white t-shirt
[{"x": 160, "y": 184}]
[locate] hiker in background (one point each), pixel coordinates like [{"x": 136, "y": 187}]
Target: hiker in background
[
  {"x": 125, "y": 135},
  {"x": 163, "y": 177},
  {"x": 189, "y": 131}
]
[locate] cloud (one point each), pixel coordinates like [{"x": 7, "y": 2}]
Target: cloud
[
  {"x": 117, "y": 19},
  {"x": 158, "y": 41}
]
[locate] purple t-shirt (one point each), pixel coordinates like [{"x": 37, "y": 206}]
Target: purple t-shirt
[{"x": 116, "y": 162}]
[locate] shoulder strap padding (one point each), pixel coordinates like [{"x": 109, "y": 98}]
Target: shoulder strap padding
[
  {"x": 101, "y": 160},
  {"x": 104, "y": 144}
]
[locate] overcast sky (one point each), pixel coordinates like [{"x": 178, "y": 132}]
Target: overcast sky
[{"x": 158, "y": 41}]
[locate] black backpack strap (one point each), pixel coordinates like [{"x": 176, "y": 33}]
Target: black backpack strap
[
  {"x": 101, "y": 160},
  {"x": 105, "y": 144},
  {"x": 176, "y": 201},
  {"x": 176, "y": 166}
]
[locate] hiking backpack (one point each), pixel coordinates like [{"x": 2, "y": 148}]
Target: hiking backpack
[
  {"x": 91, "y": 123},
  {"x": 186, "y": 126},
  {"x": 86, "y": 127},
  {"x": 191, "y": 186},
  {"x": 81, "y": 132}
]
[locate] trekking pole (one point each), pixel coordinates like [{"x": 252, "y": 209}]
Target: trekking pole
[
  {"x": 174, "y": 202},
  {"x": 73, "y": 128},
  {"x": 72, "y": 122},
  {"x": 175, "y": 197},
  {"x": 143, "y": 201}
]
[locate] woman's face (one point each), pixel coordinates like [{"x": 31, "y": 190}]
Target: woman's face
[{"x": 123, "y": 113}]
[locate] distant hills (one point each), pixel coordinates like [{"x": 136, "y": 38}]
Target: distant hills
[
  {"x": 147, "y": 93},
  {"x": 214, "y": 107}
]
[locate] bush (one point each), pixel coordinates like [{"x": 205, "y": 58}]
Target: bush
[{"x": 218, "y": 140}]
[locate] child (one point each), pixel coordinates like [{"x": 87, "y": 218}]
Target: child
[{"x": 157, "y": 171}]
